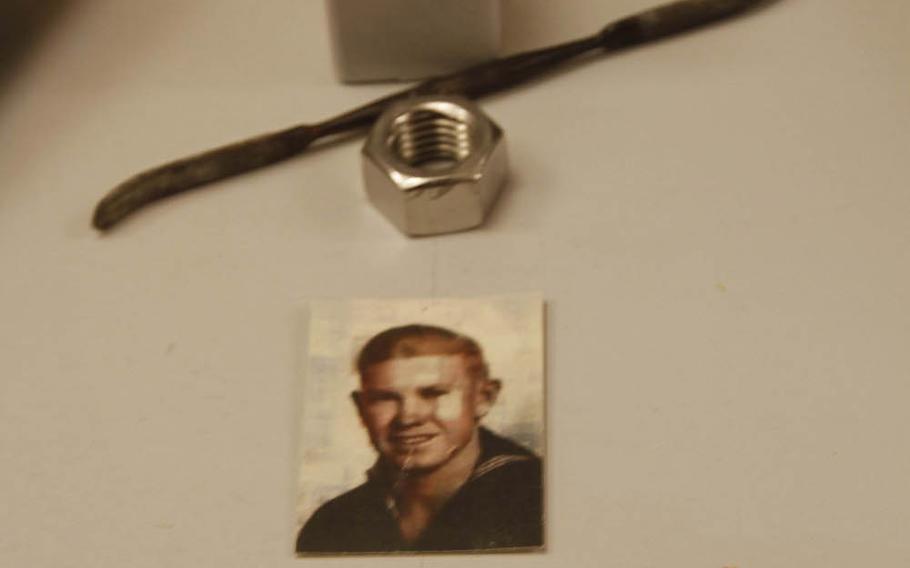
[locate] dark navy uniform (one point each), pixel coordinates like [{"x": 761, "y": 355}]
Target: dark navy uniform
[{"x": 499, "y": 507}]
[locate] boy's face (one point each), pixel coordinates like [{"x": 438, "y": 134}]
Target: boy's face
[{"x": 421, "y": 411}]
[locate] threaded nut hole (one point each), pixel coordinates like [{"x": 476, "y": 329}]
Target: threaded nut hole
[{"x": 431, "y": 140}]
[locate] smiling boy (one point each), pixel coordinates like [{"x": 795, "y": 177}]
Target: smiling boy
[{"x": 441, "y": 481}]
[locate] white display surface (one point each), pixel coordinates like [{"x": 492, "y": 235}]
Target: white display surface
[{"x": 719, "y": 225}]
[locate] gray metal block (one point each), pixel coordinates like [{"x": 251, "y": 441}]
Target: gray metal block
[{"x": 381, "y": 40}]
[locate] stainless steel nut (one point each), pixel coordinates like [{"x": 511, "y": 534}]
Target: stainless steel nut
[{"x": 434, "y": 165}]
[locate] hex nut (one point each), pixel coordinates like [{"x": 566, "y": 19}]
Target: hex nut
[{"x": 434, "y": 165}]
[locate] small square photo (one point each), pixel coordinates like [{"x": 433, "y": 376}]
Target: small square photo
[{"x": 422, "y": 427}]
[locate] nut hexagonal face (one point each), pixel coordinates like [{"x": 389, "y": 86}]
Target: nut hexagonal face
[{"x": 434, "y": 165}]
